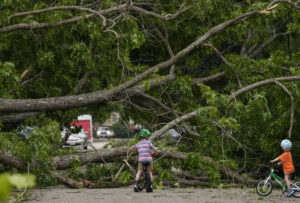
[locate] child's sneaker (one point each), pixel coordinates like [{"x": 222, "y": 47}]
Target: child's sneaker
[
  {"x": 136, "y": 188},
  {"x": 151, "y": 188},
  {"x": 290, "y": 192}
]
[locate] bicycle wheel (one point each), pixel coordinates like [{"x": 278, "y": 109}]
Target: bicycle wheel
[
  {"x": 264, "y": 188},
  {"x": 142, "y": 182},
  {"x": 296, "y": 187},
  {"x": 148, "y": 182}
]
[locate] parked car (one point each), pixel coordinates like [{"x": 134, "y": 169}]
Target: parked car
[
  {"x": 79, "y": 138},
  {"x": 25, "y": 131},
  {"x": 175, "y": 135},
  {"x": 104, "y": 132}
]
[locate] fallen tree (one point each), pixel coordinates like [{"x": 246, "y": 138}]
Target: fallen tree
[
  {"x": 137, "y": 77},
  {"x": 66, "y": 102},
  {"x": 108, "y": 155}
]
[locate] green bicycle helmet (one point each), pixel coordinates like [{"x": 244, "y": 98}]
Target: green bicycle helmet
[{"x": 144, "y": 133}]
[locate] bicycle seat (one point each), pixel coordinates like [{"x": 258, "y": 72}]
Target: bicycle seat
[{"x": 145, "y": 163}]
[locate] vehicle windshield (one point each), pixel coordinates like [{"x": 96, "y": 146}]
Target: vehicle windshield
[{"x": 103, "y": 128}]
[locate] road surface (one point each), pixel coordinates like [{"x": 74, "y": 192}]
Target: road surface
[{"x": 177, "y": 195}]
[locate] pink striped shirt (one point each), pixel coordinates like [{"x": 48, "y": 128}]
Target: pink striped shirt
[{"x": 144, "y": 148}]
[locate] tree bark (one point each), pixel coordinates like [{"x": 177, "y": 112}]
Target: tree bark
[
  {"x": 211, "y": 78},
  {"x": 171, "y": 124},
  {"x": 94, "y": 13},
  {"x": 65, "y": 102},
  {"x": 108, "y": 184},
  {"x": 15, "y": 118},
  {"x": 108, "y": 155},
  {"x": 67, "y": 181},
  {"x": 131, "y": 92},
  {"x": 262, "y": 83}
]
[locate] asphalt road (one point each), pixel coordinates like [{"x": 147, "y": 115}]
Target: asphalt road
[
  {"x": 97, "y": 145},
  {"x": 177, "y": 195}
]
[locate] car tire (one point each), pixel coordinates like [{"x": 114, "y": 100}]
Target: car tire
[{"x": 85, "y": 145}]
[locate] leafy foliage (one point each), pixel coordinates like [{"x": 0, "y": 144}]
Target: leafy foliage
[
  {"x": 52, "y": 62},
  {"x": 125, "y": 177},
  {"x": 18, "y": 181},
  {"x": 195, "y": 163},
  {"x": 121, "y": 130}
]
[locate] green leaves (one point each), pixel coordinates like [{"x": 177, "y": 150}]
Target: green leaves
[
  {"x": 213, "y": 98},
  {"x": 146, "y": 85},
  {"x": 80, "y": 53},
  {"x": 45, "y": 60},
  {"x": 18, "y": 181},
  {"x": 229, "y": 122},
  {"x": 125, "y": 177},
  {"x": 22, "y": 181},
  {"x": 165, "y": 174},
  {"x": 8, "y": 77},
  {"x": 208, "y": 112},
  {"x": 196, "y": 163},
  {"x": 137, "y": 39},
  {"x": 183, "y": 85},
  {"x": 61, "y": 57},
  {"x": 7, "y": 69},
  {"x": 259, "y": 106},
  {"x": 207, "y": 93},
  {"x": 5, "y": 186}
]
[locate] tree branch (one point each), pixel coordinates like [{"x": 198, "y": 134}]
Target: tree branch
[
  {"x": 24, "y": 26},
  {"x": 25, "y": 82},
  {"x": 285, "y": 89},
  {"x": 66, "y": 180},
  {"x": 284, "y": 1},
  {"x": 166, "y": 17},
  {"x": 255, "y": 52},
  {"x": 101, "y": 14},
  {"x": 211, "y": 78},
  {"x": 81, "y": 83},
  {"x": 154, "y": 83},
  {"x": 77, "y": 8},
  {"x": 243, "y": 49},
  {"x": 65, "y": 161},
  {"x": 55, "y": 103},
  {"x": 16, "y": 118},
  {"x": 262, "y": 83},
  {"x": 186, "y": 127},
  {"x": 174, "y": 122},
  {"x": 169, "y": 110},
  {"x": 165, "y": 39},
  {"x": 225, "y": 61}
]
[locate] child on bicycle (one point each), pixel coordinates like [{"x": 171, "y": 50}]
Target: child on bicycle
[
  {"x": 287, "y": 163},
  {"x": 144, "y": 148}
]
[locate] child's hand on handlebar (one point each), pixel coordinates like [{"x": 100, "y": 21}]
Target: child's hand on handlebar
[{"x": 277, "y": 164}]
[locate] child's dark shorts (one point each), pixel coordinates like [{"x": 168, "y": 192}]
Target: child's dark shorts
[{"x": 149, "y": 167}]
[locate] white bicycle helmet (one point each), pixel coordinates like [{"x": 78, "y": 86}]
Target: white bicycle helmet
[{"x": 286, "y": 144}]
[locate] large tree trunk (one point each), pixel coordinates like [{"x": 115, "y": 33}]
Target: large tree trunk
[
  {"x": 67, "y": 181},
  {"x": 108, "y": 155},
  {"x": 15, "y": 118}
]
